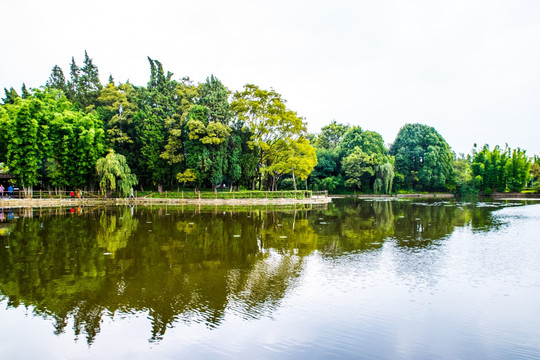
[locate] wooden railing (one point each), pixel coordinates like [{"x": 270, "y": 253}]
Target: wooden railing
[{"x": 201, "y": 195}]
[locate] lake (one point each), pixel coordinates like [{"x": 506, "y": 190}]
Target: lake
[{"x": 355, "y": 279}]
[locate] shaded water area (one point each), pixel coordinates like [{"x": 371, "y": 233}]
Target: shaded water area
[{"x": 364, "y": 279}]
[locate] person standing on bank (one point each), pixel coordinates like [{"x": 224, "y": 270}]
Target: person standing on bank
[
  {"x": 10, "y": 191},
  {"x": 1, "y": 191},
  {"x": 131, "y": 196}
]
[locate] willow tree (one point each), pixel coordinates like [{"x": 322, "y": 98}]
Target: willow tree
[
  {"x": 114, "y": 173},
  {"x": 385, "y": 178}
]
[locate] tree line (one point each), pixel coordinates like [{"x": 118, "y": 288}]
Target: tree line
[{"x": 76, "y": 132}]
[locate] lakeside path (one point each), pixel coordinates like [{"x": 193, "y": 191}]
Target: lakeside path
[
  {"x": 159, "y": 201},
  {"x": 371, "y": 196}
]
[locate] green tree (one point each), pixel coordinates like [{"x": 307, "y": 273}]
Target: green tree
[
  {"x": 57, "y": 80},
  {"x": 214, "y": 130},
  {"x": 423, "y": 157},
  {"x": 187, "y": 93},
  {"x": 215, "y": 96},
  {"x": 88, "y": 84},
  {"x": 23, "y": 151},
  {"x": 117, "y": 108},
  {"x": 535, "y": 173},
  {"x": 351, "y": 140},
  {"x": 385, "y": 178},
  {"x": 25, "y": 94},
  {"x": 206, "y": 146},
  {"x": 517, "y": 170},
  {"x": 11, "y": 96},
  {"x": 73, "y": 84},
  {"x": 114, "y": 173},
  {"x": 264, "y": 114},
  {"x": 157, "y": 104},
  {"x": 359, "y": 168},
  {"x": 186, "y": 177},
  {"x": 488, "y": 167},
  {"x": 331, "y": 135}
]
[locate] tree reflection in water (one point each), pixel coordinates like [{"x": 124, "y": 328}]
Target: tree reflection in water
[{"x": 184, "y": 264}]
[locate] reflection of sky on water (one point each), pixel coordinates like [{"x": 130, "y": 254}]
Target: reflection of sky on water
[{"x": 379, "y": 279}]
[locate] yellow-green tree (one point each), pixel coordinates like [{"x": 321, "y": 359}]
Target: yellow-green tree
[{"x": 272, "y": 124}]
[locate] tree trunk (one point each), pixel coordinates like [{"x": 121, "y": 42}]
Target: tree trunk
[
  {"x": 160, "y": 188},
  {"x": 294, "y": 181}
]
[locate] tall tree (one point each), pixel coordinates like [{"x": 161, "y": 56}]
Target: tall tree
[
  {"x": 89, "y": 85},
  {"x": 187, "y": 93},
  {"x": 302, "y": 160},
  {"x": 265, "y": 115},
  {"x": 73, "y": 84},
  {"x": 11, "y": 96},
  {"x": 215, "y": 96},
  {"x": 331, "y": 135},
  {"x": 117, "y": 108},
  {"x": 423, "y": 157},
  {"x": 57, "y": 80},
  {"x": 23, "y": 152},
  {"x": 517, "y": 169},
  {"x": 157, "y": 104},
  {"x": 206, "y": 147},
  {"x": 351, "y": 139},
  {"x": 25, "y": 94},
  {"x": 488, "y": 167}
]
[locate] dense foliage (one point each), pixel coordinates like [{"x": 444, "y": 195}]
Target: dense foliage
[
  {"x": 423, "y": 158},
  {"x": 496, "y": 170},
  {"x": 175, "y": 132}
]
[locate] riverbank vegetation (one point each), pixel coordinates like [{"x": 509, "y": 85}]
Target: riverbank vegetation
[{"x": 76, "y": 133}]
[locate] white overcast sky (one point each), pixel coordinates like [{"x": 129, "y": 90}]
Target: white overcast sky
[{"x": 471, "y": 69}]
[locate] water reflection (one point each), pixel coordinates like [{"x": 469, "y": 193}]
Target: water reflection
[{"x": 79, "y": 265}]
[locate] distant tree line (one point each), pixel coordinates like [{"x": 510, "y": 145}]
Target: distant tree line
[{"x": 75, "y": 132}]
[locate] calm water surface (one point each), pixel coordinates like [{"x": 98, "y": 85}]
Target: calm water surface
[{"x": 358, "y": 279}]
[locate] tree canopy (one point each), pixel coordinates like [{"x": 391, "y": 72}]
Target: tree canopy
[
  {"x": 174, "y": 131},
  {"x": 423, "y": 157}
]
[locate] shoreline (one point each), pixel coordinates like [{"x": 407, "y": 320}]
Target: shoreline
[
  {"x": 9, "y": 203},
  {"x": 372, "y": 196}
]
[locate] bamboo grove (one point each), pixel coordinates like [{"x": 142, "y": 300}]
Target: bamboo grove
[{"x": 76, "y": 132}]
